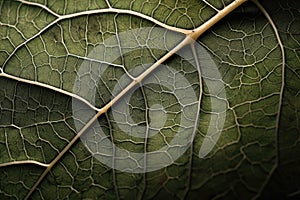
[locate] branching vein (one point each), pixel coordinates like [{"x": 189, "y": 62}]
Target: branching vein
[{"x": 190, "y": 38}]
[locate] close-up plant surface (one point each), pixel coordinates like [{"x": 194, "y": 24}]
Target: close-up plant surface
[{"x": 162, "y": 99}]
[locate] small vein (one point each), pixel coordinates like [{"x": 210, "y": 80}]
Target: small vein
[
  {"x": 210, "y": 5},
  {"x": 114, "y": 176},
  {"x": 130, "y": 12},
  {"x": 108, "y": 4},
  {"x": 39, "y": 5},
  {"x": 28, "y": 40},
  {"x": 196, "y": 120},
  {"x": 21, "y": 162},
  {"x": 266, "y": 14},
  {"x": 294, "y": 194},
  {"x": 36, "y": 83},
  {"x": 107, "y": 10}
]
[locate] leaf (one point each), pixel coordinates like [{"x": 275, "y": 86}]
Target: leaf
[
  {"x": 285, "y": 182},
  {"x": 142, "y": 100}
]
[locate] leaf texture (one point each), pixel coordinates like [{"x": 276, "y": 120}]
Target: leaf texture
[{"x": 217, "y": 114}]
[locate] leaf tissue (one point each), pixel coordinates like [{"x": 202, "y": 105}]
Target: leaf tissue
[{"x": 171, "y": 99}]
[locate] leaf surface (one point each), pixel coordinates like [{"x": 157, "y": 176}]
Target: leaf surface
[{"x": 220, "y": 111}]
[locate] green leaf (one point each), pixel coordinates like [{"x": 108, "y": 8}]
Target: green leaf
[{"x": 113, "y": 99}]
